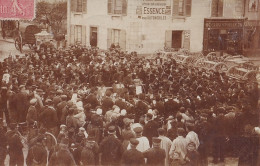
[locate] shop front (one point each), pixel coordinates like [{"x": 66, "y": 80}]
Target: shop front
[
  {"x": 252, "y": 37},
  {"x": 223, "y": 35}
]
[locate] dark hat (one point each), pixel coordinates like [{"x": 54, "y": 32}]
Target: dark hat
[
  {"x": 138, "y": 129},
  {"x": 156, "y": 140},
  {"x": 134, "y": 141},
  {"x": 111, "y": 129},
  {"x": 149, "y": 115}
]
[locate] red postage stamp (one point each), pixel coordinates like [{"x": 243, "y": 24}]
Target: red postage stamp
[{"x": 17, "y": 9}]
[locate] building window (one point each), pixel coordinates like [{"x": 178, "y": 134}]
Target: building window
[
  {"x": 182, "y": 8},
  {"x": 79, "y": 6},
  {"x": 117, "y": 7},
  {"x": 78, "y": 34},
  {"x": 116, "y": 36},
  {"x": 217, "y": 8}
]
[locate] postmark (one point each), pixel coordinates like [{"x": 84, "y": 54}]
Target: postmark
[{"x": 17, "y": 9}]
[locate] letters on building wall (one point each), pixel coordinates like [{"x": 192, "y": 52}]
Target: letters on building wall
[{"x": 154, "y": 10}]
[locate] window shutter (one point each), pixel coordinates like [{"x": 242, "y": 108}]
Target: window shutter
[
  {"x": 109, "y": 37},
  {"x": 175, "y": 10},
  {"x": 73, "y": 4},
  {"x": 214, "y": 8},
  {"x": 84, "y": 6},
  {"x": 188, "y": 7},
  {"x": 122, "y": 40},
  {"x": 110, "y": 6},
  {"x": 168, "y": 39},
  {"x": 124, "y": 7},
  {"x": 72, "y": 34},
  {"x": 220, "y": 8},
  {"x": 84, "y": 37},
  {"x": 186, "y": 41}
]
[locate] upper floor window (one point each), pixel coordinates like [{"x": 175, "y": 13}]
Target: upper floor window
[
  {"x": 182, "y": 8},
  {"x": 117, "y": 7},
  {"x": 217, "y": 8},
  {"x": 79, "y": 6}
]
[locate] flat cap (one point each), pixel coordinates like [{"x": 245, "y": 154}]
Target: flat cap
[
  {"x": 138, "y": 129},
  {"x": 39, "y": 90},
  {"x": 156, "y": 140},
  {"x": 21, "y": 86},
  {"x": 48, "y": 101},
  {"x": 149, "y": 115},
  {"x": 63, "y": 97},
  {"x": 134, "y": 141},
  {"x": 4, "y": 88},
  {"x": 59, "y": 91},
  {"x": 33, "y": 101},
  {"x": 111, "y": 129}
]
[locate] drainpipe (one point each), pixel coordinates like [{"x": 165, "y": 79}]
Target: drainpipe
[{"x": 244, "y": 13}]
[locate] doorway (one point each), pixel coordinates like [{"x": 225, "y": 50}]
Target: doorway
[
  {"x": 93, "y": 36},
  {"x": 176, "y": 39}
]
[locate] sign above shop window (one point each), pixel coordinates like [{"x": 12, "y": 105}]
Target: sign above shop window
[{"x": 154, "y": 9}]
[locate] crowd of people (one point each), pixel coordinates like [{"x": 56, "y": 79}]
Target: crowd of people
[{"x": 85, "y": 106}]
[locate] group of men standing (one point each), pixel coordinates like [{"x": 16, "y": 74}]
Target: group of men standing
[{"x": 83, "y": 105}]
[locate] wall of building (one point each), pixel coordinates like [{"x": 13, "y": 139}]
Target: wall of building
[
  {"x": 144, "y": 36},
  {"x": 233, "y": 8}
]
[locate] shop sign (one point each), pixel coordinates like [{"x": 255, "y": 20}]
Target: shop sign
[
  {"x": 252, "y": 23},
  {"x": 224, "y": 24},
  {"x": 154, "y": 9}
]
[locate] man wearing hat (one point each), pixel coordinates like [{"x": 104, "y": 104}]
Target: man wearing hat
[
  {"x": 57, "y": 98},
  {"x": 32, "y": 115},
  {"x": 179, "y": 144},
  {"x": 37, "y": 154},
  {"x": 3, "y": 145},
  {"x": 63, "y": 155},
  {"x": 32, "y": 118},
  {"x": 155, "y": 155},
  {"x": 60, "y": 106},
  {"x": 111, "y": 148},
  {"x": 165, "y": 144},
  {"x": 22, "y": 103},
  {"x": 48, "y": 117},
  {"x": 89, "y": 153},
  {"x": 133, "y": 156},
  {"x": 3, "y": 104},
  {"x": 150, "y": 128},
  {"x": 15, "y": 146},
  {"x": 143, "y": 141}
]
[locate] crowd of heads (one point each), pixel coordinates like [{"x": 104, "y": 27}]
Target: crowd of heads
[{"x": 98, "y": 88}]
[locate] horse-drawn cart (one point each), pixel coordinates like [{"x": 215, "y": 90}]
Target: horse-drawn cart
[{"x": 25, "y": 35}]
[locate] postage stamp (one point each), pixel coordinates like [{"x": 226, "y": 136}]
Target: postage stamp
[{"x": 17, "y": 9}]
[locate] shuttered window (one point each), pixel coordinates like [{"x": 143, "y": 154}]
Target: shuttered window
[
  {"x": 79, "y": 6},
  {"x": 217, "y": 8},
  {"x": 117, "y": 7},
  {"x": 78, "y": 34},
  {"x": 182, "y": 8},
  {"x": 116, "y": 36}
]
